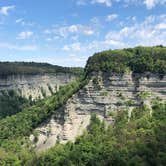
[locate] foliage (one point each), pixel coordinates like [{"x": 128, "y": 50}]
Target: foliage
[
  {"x": 104, "y": 93},
  {"x": 43, "y": 92},
  {"x": 11, "y": 68},
  {"x": 11, "y": 103},
  {"x": 138, "y": 142},
  {"x": 23, "y": 123},
  {"x": 144, "y": 95},
  {"x": 15, "y": 148},
  {"x": 50, "y": 89},
  {"x": 138, "y": 60}
]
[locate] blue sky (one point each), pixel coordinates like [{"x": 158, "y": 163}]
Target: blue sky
[{"x": 67, "y": 32}]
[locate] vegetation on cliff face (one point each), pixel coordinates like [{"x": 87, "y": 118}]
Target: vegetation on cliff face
[
  {"x": 138, "y": 60},
  {"x": 23, "y": 123},
  {"x": 140, "y": 141},
  {"x": 16, "y": 68},
  {"x": 11, "y": 103},
  {"x": 15, "y": 147}
]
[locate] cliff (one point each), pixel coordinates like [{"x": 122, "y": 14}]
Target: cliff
[
  {"x": 104, "y": 95},
  {"x": 35, "y": 85}
]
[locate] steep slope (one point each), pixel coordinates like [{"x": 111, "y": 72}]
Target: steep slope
[
  {"x": 114, "y": 85},
  {"x": 125, "y": 88},
  {"x": 36, "y": 86},
  {"x": 104, "y": 95},
  {"x": 141, "y": 141},
  {"x": 23, "y": 123},
  {"x": 35, "y": 80}
]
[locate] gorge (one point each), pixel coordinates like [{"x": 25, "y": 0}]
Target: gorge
[{"x": 112, "y": 112}]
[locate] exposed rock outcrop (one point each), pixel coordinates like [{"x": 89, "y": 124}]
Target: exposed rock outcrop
[
  {"x": 36, "y": 86},
  {"x": 105, "y": 94}
]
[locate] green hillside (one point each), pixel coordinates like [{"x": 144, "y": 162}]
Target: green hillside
[
  {"x": 138, "y": 60},
  {"x": 11, "y": 103},
  {"x": 140, "y": 141},
  {"x": 9, "y": 68}
]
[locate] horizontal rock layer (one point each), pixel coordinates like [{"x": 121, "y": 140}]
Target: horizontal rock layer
[
  {"x": 104, "y": 95},
  {"x": 35, "y": 85}
]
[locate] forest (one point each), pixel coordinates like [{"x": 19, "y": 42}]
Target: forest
[
  {"x": 11, "y": 103},
  {"x": 138, "y": 141},
  {"x": 16, "y": 68},
  {"x": 141, "y": 141},
  {"x": 137, "y": 60}
]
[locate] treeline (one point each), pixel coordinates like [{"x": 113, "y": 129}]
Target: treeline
[
  {"x": 138, "y": 60},
  {"x": 139, "y": 142},
  {"x": 11, "y": 103},
  {"x": 10, "y": 68}
]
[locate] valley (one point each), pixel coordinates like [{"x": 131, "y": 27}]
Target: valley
[{"x": 113, "y": 112}]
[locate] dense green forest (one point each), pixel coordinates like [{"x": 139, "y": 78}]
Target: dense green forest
[
  {"x": 11, "y": 103},
  {"x": 9, "y": 68},
  {"x": 23, "y": 123},
  {"x": 140, "y": 141},
  {"x": 138, "y": 60},
  {"x": 15, "y": 148}
]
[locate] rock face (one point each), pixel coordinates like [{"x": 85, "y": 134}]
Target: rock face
[
  {"x": 104, "y": 95},
  {"x": 36, "y": 86}
]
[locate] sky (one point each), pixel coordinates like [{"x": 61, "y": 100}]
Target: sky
[{"x": 67, "y": 32}]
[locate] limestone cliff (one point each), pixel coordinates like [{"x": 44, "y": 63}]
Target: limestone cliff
[
  {"x": 105, "y": 94},
  {"x": 36, "y": 86}
]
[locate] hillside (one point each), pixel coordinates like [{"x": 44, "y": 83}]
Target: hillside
[
  {"x": 137, "y": 60},
  {"x": 35, "y": 80},
  {"x": 114, "y": 115},
  {"x": 11, "y": 103},
  {"x": 21, "y": 83},
  {"x": 24, "y": 68}
]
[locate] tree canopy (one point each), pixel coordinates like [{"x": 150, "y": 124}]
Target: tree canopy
[
  {"x": 10, "y": 68},
  {"x": 138, "y": 60}
]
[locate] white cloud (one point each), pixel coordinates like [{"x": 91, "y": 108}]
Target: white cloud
[
  {"x": 81, "y": 2},
  {"x": 49, "y": 39},
  {"x": 74, "y": 47},
  {"x": 73, "y": 28},
  {"x": 5, "y": 9},
  {"x": 24, "y": 23},
  {"x": 149, "y": 3},
  {"x": 88, "y": 31},
  {"x": 105, "y": 44},
  {"x": 47, "y": 31},
  {"x": 149, "y": 32},
  {"x": 65, "y": 31},
  {"x": 111, "y": 17},
  {"x": 118, "y": 35},
  {"x": 25, "y": 35},
  {"x": 19, "y": 20},
  {"x": 18, "y": 47},
  {"x": 161, "y": 26},
  {"x": 66, "y": 48},
  {"x": 108, "y": 3}
]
